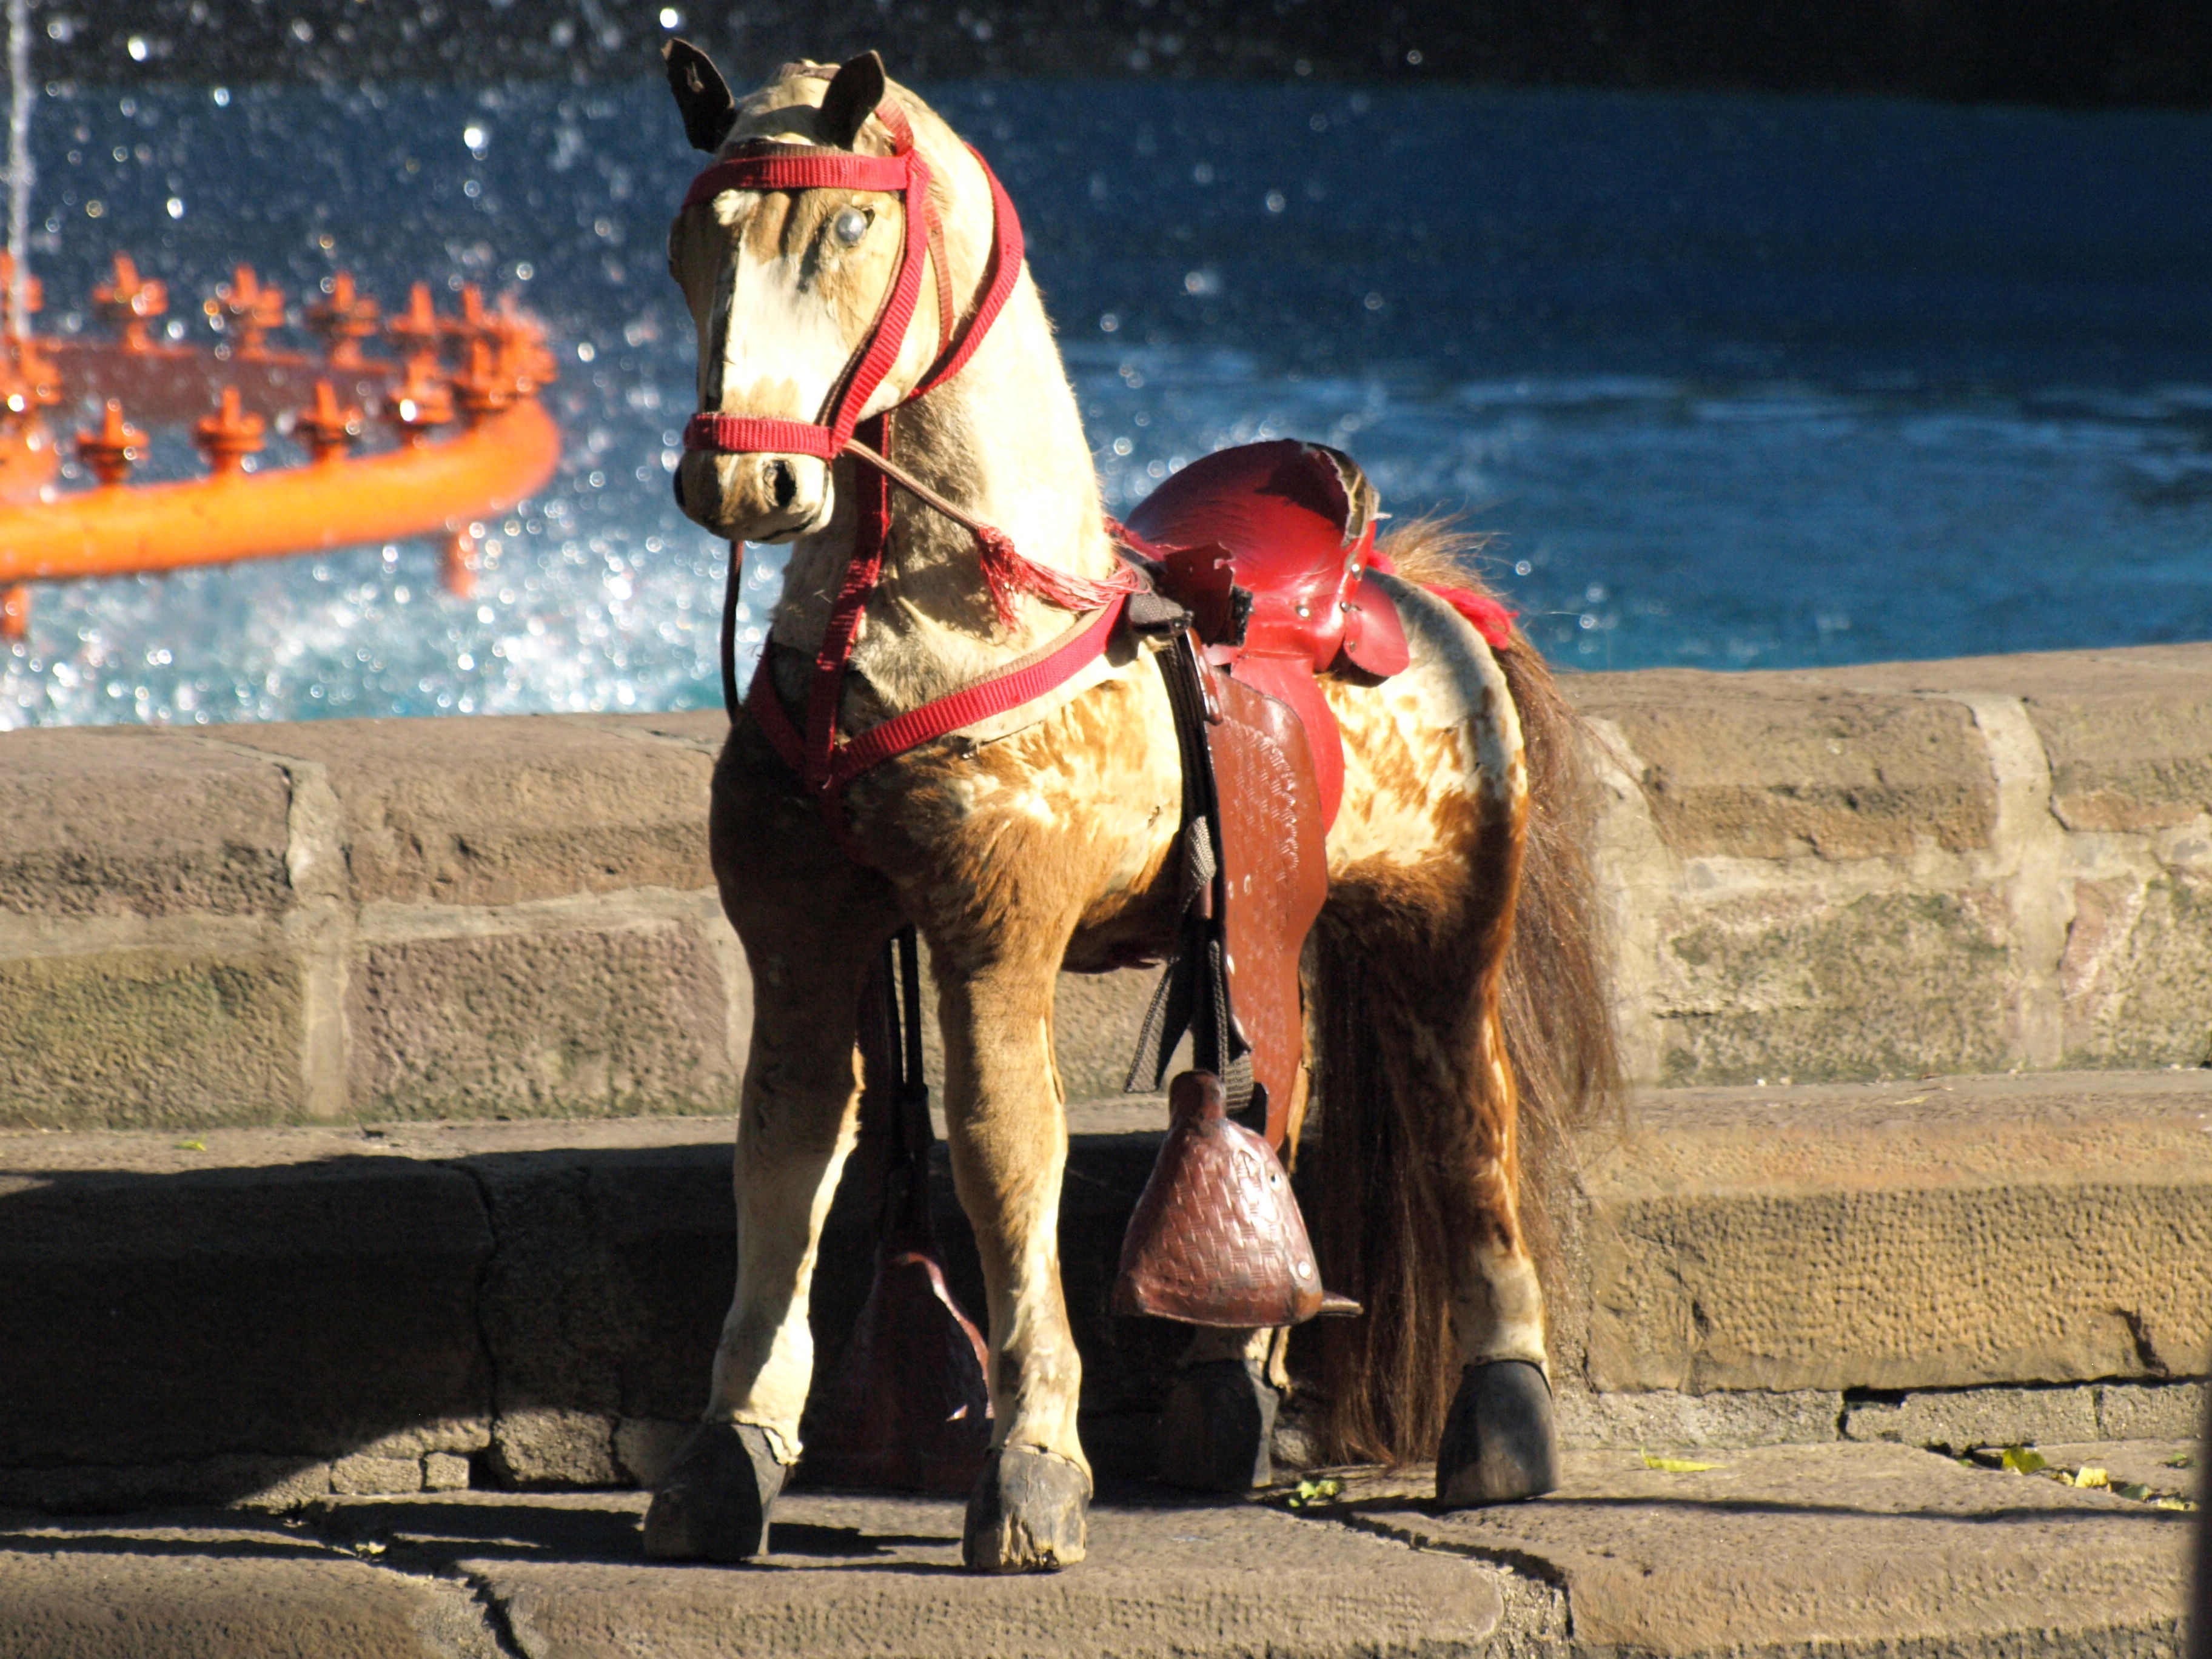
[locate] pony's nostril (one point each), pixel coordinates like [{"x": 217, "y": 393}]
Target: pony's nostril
[{"x": 782, "y": 483}]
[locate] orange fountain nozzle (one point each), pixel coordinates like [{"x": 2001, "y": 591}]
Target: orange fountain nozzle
[
  {"x": 110, "y": 452},
  {"x": 482, "y": 388},
  {"x": 327, "y": 427},
  {"x": 420, "y": 402},
  {"x": 130, "y": 302},
  {"x": 344, "y": 320},
  {"x": 414, "y": 330},
  {"x": 230, "y": 435},
  {"x": 247, "y": 308}
]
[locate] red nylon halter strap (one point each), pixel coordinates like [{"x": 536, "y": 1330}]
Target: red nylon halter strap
[
  {"x": 905, "y": 175},
  {"x": 824, "y": 764}
]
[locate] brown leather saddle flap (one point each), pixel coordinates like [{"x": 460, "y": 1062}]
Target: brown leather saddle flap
[{"x": 1273, "y": 879}]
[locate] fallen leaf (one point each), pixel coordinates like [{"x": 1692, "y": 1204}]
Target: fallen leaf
[
  {"x": 2023, "y": 1460},
  {"x": 1675, "y": 1465},
  {"x": 1315, "y": 1492},
  {"x": 2133, "y": 1489},
  {"x": 2090, "y": 1475},
  {"x": 191, "y": 1146},
  {"x": 2183, "y": 1460},
  {"x": 2175, "y": 1503}
]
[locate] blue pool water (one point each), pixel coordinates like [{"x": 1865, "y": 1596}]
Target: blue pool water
[{"x": 1731, "y": 382}]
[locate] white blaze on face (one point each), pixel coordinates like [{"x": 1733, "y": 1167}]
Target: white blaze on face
[{"x": 779, "y": 345}]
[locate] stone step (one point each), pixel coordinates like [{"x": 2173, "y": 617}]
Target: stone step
[
  {"x": 1843, "y": 1550},
  {"x": 298, "y": 1312}
]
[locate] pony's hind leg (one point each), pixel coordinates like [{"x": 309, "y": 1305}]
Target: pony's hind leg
[
  {"x": 1218, "y": 1424},
  {"x": 1499, "y": 1442},
  {"x": 1420, "y": 1208}
]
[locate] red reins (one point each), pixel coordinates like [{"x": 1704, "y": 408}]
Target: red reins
[{"x": 824, "y": 763}]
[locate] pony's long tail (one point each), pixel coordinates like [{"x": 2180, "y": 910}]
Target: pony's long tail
[{"x": 1384, "y": 1380}]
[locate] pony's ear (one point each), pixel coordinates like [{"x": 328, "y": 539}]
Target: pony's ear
[
  {"x": 854, "y": 92},
  {"x": 710, "y": 111}
]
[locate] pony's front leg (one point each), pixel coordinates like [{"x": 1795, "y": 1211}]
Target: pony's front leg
[
  {"x": 795, "y": 1127},
  {"x": 1009, "y": 1143}
]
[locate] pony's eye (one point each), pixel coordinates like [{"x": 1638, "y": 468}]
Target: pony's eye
[{"x": 849, "y": 226}]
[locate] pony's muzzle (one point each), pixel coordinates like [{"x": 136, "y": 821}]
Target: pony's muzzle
[{"x": 754, "y": 498}]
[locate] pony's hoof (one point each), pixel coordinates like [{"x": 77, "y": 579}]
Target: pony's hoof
[
  {"x": 1217, "y": 1428},
  {"x": 1026, "y": 1514},
  {"x": 1500, "y": 1442},
  {"x": 712, "y": 1503}
]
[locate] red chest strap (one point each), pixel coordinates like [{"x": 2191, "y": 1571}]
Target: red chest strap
[{"x": 1023, "y": 681}]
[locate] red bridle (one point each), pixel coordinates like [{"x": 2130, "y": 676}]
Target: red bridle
[
  {"x": 903, "y": 173},
  {"x": 824, "y": 762}
]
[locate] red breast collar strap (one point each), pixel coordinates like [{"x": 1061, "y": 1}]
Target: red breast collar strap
[{"x": 1023, "y": 681}]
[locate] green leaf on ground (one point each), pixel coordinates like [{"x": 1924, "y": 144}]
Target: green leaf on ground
[
  {"x": 1315, "y": 1492},
  {"x": 191, "y": 1146},
  {"x": 2174, "y": 1504},
  {"x": 2133, "y": 1489},
  {"x": 1675, "y": 1465},
  {"x": 2023, "y": 1460},
  {"x": 2090, "y": 1475},
  {"x": 2184, "y": 1461}
]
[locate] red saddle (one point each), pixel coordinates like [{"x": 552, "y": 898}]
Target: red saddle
[{"x": 1271, "y": 546}]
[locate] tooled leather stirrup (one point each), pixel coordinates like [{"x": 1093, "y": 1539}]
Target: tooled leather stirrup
[{"x": 1217, "y": 1238}]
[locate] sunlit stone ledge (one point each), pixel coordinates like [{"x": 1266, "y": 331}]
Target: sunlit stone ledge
[{"x": 1970, "y": 865}]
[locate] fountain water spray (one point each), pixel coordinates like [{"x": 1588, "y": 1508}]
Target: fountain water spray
[{"x": 19, "y": 158}]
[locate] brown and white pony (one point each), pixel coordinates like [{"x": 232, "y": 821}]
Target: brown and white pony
[{"x": 1455, "y": 1001}]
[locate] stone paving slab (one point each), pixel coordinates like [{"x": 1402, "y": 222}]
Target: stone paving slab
[
  {"x": 1837, "y": 1552},
  {"x": 217, "y": 1587},
  {"x": 881, "y": 1576},
  {"x": 1822, "y": 1551}
]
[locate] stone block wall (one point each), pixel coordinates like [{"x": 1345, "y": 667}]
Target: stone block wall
[
  {"x": 1978, "y": 865},
  {"x": 362, "y": 919},
  {"x": 1981, "y": 865}
]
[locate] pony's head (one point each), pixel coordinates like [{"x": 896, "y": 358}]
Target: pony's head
[{"x": 790, "y": 284}]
